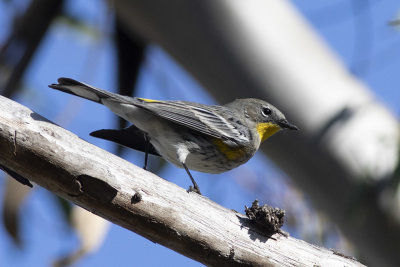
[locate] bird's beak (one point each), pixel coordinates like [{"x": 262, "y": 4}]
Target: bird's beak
[{"x": 285, "y": 124}]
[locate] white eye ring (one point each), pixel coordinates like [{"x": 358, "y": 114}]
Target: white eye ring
[{"x": 265, "y": 111}]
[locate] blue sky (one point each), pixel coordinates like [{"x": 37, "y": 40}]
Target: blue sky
[{"x": 358, "y": 34}]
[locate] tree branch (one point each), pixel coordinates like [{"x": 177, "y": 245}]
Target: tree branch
[
  {"x": 137, "y": 200},
  {"x": 28, "y": 31}
]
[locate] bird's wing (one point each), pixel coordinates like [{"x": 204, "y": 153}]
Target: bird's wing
[{"x": 204, "y": 119}]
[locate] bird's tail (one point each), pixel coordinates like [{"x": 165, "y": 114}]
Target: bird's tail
[{"x": 81, "y": 89}]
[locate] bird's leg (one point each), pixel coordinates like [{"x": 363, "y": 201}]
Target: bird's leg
[
  {"x": 195, "y": 187},
  {"x": 146, "y": 150}
]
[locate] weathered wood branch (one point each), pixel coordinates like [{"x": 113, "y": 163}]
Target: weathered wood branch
[{"x": 129, "y": 196}]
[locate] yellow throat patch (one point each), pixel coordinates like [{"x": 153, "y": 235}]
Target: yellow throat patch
[{"x": 267, "y": 129}]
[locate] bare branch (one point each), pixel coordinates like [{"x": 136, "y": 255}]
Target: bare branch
[{"x": 140, "y": 201}]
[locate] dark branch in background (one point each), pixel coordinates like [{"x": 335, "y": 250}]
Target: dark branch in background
[
  {"x": 19, "y": 48},
  {"x": 130, "y": 50}
]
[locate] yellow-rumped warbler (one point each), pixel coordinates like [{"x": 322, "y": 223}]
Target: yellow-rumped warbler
[{"x": 211, "y": 139}]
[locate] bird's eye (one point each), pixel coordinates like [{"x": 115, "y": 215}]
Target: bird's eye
[{"x": 266, "y": 111}]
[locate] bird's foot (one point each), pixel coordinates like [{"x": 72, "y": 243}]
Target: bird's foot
[{"x": 194, "y": 189}]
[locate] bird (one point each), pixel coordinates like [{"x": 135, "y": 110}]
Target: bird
[{"x": 206, "y": 138}]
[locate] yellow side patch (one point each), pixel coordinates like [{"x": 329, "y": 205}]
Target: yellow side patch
[
  {"x": 267, "y": 129},
  {"x": 231, "y": 153},
  {"x": 148, "y": 100}
]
